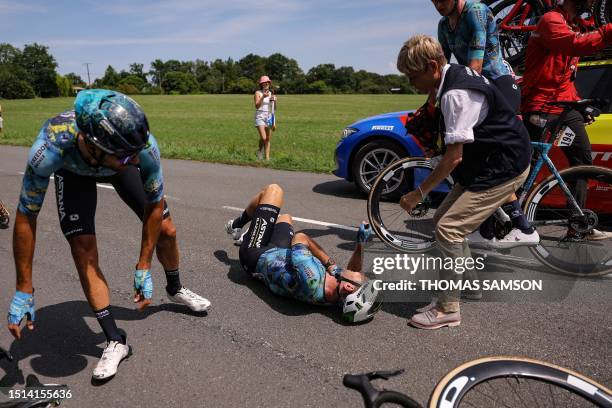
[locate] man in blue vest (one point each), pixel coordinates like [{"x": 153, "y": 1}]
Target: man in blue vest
[{"x": 487, "y": 152}]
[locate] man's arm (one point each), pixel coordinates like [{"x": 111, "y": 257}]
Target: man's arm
[
  {"x": 24, "y": 242},
  {"x": 552, "y": 30},
  {"x": 477, "y": 21},
  {"x": 151, "y": 226}
]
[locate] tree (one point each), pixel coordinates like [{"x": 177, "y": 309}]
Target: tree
[
  {"x": 9, "y": 54},
  {"x": 75, "y": 79},
  {"x": 110, "y": 79},
  {"x": 11, "y": 87},
  {"x": 283, "y": 71},
  {"x": 317, "y": 87},
  {"x": 136, "y": 69},
  {"x": 180, "y": 82},
  {"x": 321, "y": 72},
  {"x": 343, "y": 80},
  {"x": 40, "y": 65},
  {"x": 242, "y": 85},
  {"x": 64, "y": 86},
  {"x": 252, "y": 66},
  {"x": 135, "y": 82}
]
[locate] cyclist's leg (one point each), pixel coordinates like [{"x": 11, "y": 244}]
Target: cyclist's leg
[
  {"x": 76, "y": 198},
  {"x": 263, "y": 211},
  {"x": 128, "y": 185},
  {"x": 578, "y": 153}
]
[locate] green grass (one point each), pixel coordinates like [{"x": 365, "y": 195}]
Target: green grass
[{"x": 219, "y": 128}]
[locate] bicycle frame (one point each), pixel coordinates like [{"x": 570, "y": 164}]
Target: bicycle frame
[
  {"x": 543, "y": 149},
  {"x": 522, "y": 8}
]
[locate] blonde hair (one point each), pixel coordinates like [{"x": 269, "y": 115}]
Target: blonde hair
[{"x": 417, "y": 52}]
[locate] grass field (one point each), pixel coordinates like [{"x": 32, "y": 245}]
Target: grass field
[{"x": 219, "y": 128}]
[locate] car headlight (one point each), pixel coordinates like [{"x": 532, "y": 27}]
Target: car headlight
[{"x": 347, "y": 132}]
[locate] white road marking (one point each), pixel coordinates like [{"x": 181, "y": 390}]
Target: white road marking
[
  {"x": 306, "y": 220},
  {"x": 109, "y": 187}
]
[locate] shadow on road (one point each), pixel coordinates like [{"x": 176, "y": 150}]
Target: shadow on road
[
  {"x": 339, "y": 188},
  {"x": 62, "y": 339},
  {"x": 288, "y": 307}
]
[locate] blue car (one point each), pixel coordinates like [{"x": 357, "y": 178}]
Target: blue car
[{"x": 371, "y": 144}]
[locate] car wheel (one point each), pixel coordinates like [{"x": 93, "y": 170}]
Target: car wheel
[{"x": 371, "y": 159}]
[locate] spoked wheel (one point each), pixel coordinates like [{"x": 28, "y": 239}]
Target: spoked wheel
[
  {"x": 514, "y": 43},
  {"x": 405, "y": 232},
  {"x": 517, "y": 382},
  {"x": 573, "y": 243}
]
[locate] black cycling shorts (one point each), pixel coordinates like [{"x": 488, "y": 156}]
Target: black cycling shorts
[
  {"x": 263, "y": 234},
  {"x": 77, "y": 197}
]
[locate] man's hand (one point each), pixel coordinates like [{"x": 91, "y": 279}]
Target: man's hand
[
  {"x": 143, "y": 288},
  {"x": 410, "y": 200},
  {"x": 21, "y": 306}
]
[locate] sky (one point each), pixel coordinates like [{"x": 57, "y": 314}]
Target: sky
[{"x": 364, "y": 34}]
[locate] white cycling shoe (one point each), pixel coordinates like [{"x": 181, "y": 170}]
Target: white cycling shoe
[
  {"x": 190, "y": 299},
  {"x": 112, "y": 355},
  {"x": 513, "y": 239},
  {"x": 234, "y": 232},
  {"x": 516, "y": 238}
]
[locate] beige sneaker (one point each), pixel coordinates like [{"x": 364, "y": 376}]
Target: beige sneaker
[{"x": 435, "y": 319}]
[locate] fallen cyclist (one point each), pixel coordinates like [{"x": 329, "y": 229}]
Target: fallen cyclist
[
  {"x": 104, "y": 139},
  {"x": 294, "y": 265}
]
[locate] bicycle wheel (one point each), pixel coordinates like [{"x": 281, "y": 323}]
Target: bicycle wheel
[
  {"x": 407, "y": 232},
  {"x": 566, "y": 238},
  {"x": 517, "y": 382},
  {"x": 513, "y": 44}
]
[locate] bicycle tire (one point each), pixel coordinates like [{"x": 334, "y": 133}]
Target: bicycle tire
[
  {"x": 393, "y": 397},
  {"x": 452, "y": 389},
  {"x": 513, "y": 45},
  {"x": 405, "y": 240},
  {"x": 569, "y": 262}
]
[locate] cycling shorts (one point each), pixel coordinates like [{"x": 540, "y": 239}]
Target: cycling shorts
[
  {"x": 263, "y": 234},
  {"x": 76, "y": 198}
]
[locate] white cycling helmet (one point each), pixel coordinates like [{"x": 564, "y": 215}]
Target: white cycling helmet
[{"x": 361, "y": 305}]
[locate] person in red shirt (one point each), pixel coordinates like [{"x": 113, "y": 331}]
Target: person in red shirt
[{"x": 551, "y": 61}]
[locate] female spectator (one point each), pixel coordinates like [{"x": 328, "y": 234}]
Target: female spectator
[{"x": 264, "y": 100}]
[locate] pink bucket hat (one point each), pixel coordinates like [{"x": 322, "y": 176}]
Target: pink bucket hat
[{"x": 264, "y": 79}]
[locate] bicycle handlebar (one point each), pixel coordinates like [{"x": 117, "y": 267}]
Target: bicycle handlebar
[{"x": 371, "y": 396}]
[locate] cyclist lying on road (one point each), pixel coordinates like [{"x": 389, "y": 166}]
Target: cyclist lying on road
[{"x": 294, "y": 265}]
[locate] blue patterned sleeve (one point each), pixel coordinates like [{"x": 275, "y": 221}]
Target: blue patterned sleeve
[
  {"x": 44, "y": 159},
  {"x": 151, "y": 171},
  {"x": 477, "y": 22}
]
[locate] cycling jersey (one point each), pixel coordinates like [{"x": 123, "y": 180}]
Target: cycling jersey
[
  {"x": 293, "y": 272},
  {"x": 474, "y": 38},
  {"x": 56, "y": 148},
  {"x": 552, "y": 57}
]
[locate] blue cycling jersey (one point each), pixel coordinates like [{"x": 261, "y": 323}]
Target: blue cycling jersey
[
  {"x": 56, "y": 148},
  {"x": 475, "y": 37},
  {"x": 293, "y": 272}
]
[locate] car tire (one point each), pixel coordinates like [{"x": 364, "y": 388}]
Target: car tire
[{"x": 371, "y": 159}]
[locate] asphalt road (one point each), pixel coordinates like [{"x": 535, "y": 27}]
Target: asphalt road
[{"x": 254, "y": 349}]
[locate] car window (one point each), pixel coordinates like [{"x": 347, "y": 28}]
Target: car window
[{"x": 595, "y": 82}]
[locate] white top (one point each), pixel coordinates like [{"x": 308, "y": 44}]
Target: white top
[
  {"x": 463, "y": 109},
  {"x": 265, "y": 105}
]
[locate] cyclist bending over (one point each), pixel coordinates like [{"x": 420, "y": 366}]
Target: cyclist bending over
[
  {"x": 104, "y": 139},
  {"x": 487, "y": 151},
  {"x": 553, "y": 52},
  {"x": 294, "y": 265}
]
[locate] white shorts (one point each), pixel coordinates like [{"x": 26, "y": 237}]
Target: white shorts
[{"x": 261, "y": 118}]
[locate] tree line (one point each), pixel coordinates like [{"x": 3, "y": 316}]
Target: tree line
[{"x": 32, "y": 71}]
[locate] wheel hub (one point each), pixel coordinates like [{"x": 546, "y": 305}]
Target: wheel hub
[{"x": 584, "y": 224}]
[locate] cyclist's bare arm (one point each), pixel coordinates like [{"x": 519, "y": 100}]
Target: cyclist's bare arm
[
  {"x": 151, "y": 227},
  {"x": 355, "y": 263},
  {"x": 24, "y": 242},
  {"x": 313, "y": 247},
  {"x": 476, "y": 65}
]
